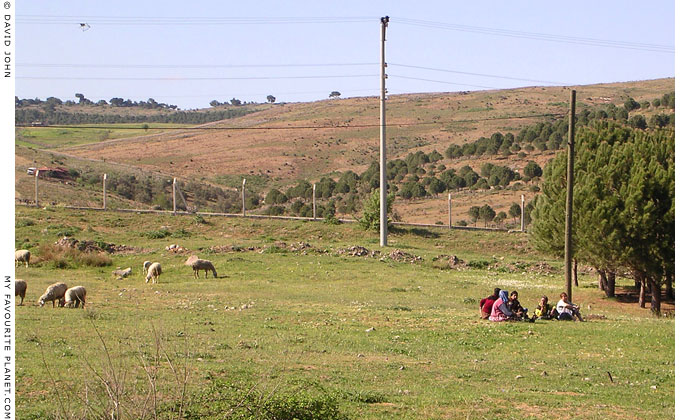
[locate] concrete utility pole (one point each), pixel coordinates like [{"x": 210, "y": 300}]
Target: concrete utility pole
[
  {"x": 105, "y": 176},
  {"x": 174, "y": 196},
  {"x": 522, "y": 214},
  {"x": 36, "y": 189},
  {"x": 569, "y": 200},
  {"x": 383, "y": 213},
  {"x": 450, "y": 214},
  {"x": 244, "y": 209}
]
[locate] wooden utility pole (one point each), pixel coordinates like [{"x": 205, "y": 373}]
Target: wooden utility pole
[
  {"x": 569, "y": 200},
  {"x": 36, "y": 188},
  {"x": 383, "y": 213},
  {"x": 174, "y": 196},
  {"x": 244, "y": 208},
  {"x": 522, "y": 213},
  {"x": 105, "y": 176}
]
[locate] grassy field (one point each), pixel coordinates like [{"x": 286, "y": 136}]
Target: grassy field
[
  {"x": 317, "y": 333},
  {"x": 56, "y": 137}
]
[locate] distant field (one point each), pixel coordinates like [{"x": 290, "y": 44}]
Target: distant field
[
  {"x": 51, "y": 138},
  {"x": 366, "y": 338}
]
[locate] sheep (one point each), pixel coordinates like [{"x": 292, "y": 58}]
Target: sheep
[
  {"x": 54, "y": 292},
  {"x": 146, "y": 266},
  {"x": 122, "y": 273},
  {"x": 20, "y": 289},
  {"x": 203, "y": 265},
  {"x": 22, "y": 256},
  {"x": 155, "y": 271},
  {"x": 74, "y": 296}
]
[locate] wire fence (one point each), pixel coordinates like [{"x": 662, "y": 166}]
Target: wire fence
[{"x": 190, "y": 210}]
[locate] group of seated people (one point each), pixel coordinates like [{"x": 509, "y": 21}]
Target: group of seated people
[{"x": 502, "y": 307}]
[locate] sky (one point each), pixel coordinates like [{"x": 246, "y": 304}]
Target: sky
[{"x": 303, "y": 50}]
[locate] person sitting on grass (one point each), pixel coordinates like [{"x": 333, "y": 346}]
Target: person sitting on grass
[
  {"x": 544, "y": 310},
  {"x": 566, "y": 309},
  {"x": 487, "y": 303},
  {"x": 500, "y": 311},
  {"x": 515, "y": 307}
]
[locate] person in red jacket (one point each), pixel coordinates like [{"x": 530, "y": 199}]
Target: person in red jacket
[{"x": 487, "y": 303}]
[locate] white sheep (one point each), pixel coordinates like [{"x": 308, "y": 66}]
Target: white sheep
[
  {"x": 122, "y": 273},
  {"x": 22, "y": 256},
  {"x": 154, "y": 272},
  {"x": 74, "y": 296},
  {"x": 205, "y": 265},
  {"x": 146, "y": 266},
  {"x": 20, "y": 289},
  {"x": 54, "y": 292}
]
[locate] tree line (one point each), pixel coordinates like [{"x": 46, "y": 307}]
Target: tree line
[{"x": 623, "y": 209}]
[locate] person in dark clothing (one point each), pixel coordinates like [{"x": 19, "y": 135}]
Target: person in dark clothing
[
  {"x": 515, "y": 307},
  {"x": 487, "y": 303}
]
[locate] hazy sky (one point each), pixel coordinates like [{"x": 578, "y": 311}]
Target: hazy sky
[{"x": 303, "y": 50}]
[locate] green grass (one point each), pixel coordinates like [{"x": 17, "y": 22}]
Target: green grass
[
  {"x": 53, "y": 138},
  {"x": 282, "y": 330}
]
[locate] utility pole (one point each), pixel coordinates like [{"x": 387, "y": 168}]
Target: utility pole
[
  {"x": 450, "y": 217},
  {"x": 174, "y": 198},
  {"x": 383, "y": 214},
  {"x": 522, "y": 213},
  {"x": 36, "y": 189},
  {"x": 313, "y": 200},
  {"x": 105, "y": 176},
  {"x": 244, "y": 208},
  {"x": 569, "y": 200}
]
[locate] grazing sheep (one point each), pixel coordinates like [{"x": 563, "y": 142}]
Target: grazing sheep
[
  {"x": 146, "y": 266},
  {"x": 155, "y": 271},
  {"x": 205, "y": 265},
  {"x": 20, "y": 289},
  {"x": 22, "y": 256},
  {"x": 122, "y": 273},
  {"x": 74, "y": 296},
  {"x": 54, "y": 292}
]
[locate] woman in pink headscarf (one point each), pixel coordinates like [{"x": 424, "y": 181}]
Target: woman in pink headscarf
[{"x": 500, "y": 312}]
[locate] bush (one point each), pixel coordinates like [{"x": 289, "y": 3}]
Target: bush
[
  {"x": 371, "y": 218},
  {"x": 59, "y": 257},
  {"x": 157, "y": 234}
]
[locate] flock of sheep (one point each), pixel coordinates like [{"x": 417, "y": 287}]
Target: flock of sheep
[
  {"x": 70, "y": 297},
  {"x": 74, "y": 296}
]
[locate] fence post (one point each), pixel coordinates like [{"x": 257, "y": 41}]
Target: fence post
[
  {"x": 313, "y": 200},
  {"x": 522, "y": 214},
  {"x": 105, "y": 176},
  {"x": 36, "y": 189},
  {"x": 450, "y": 214},
  {"x": 244, "y": 208},
  {"x": 174, "y": 198}
]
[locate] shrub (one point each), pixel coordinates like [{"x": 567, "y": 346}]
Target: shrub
[
  {"x": 63, "y": 257},
  {"x": 157, "y": 234}
]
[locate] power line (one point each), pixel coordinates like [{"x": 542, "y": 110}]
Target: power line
[
  {"x": 539, "y": 36},
  {"x": 311, "y": 127},
  {"x": 185, "y": 66},
  {"x": 441, "y": 81},
  {"x": 176, "y": 78},
  {"x": 478, "y": 74},
  {"x": 185, "y": 20}
]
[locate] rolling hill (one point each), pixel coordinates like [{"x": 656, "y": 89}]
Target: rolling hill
[{"x": 279, "y": 144}]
